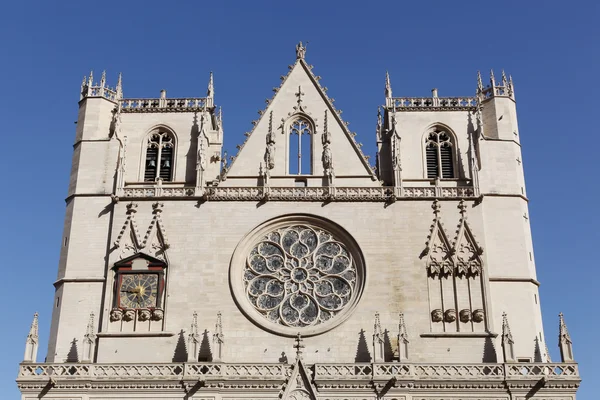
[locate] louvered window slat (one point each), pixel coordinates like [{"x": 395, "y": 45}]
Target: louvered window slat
[
  {"x": 447, "y": 162},
  {"x": 432, "y": 162},
  {"x": 151, "y": 164}
]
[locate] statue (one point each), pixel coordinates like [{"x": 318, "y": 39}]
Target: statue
[{"x": 300, "y": 51}]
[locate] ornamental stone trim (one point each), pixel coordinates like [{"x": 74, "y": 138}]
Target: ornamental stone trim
[
  {"x": 347, "y": 194},
  {"x": 297, "y": 274}
]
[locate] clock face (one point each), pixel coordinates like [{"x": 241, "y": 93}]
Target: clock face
[{"x": 138, "y": 290}]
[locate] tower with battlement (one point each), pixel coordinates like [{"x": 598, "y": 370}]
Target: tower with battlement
[{"x": 299, "y": 268}]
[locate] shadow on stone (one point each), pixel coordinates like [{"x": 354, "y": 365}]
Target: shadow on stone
[
  {"x": 362, "y": 351},
  {"x": 73, "y": 355},
  {"x": 489, "y": 351},
  {"x": 283, "y": 358},
  {"x": 388, "y": 352},
  {"x": 205, "y": 353},
  {"x": 180, "y": 354}
]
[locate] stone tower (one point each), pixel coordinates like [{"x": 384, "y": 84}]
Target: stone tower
[{"x": 296, "y": 269}]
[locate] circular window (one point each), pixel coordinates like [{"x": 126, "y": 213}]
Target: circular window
[{"x": 297, "y": 274}]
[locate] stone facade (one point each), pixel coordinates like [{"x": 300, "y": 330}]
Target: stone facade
[{"x": 297, "y": 269}]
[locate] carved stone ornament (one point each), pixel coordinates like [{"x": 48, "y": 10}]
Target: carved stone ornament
[
  {"x": 465, "y": 315},
  {"x": 450, "y": 315},
  {"x": 144, "y": 315},
  {"x": 436, "y": 315},
  {"x": 300, "y": 274},
  {"x": 157, "y": 314},
  {"x": 116, "y": 314},
  {"x": 478, "y": 315},
  {"x": 128, "y": 315}
]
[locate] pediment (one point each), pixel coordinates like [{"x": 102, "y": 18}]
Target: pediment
[{"x": 299, "y": 96}]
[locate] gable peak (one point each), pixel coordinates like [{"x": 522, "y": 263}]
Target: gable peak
[{"x": 300, "y": 51}]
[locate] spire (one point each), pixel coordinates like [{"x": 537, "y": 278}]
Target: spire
[
  {"x": 119, "y": 88},
  {"x": 564, "y": 341},
  {"x": 210, "y": 92},
  {"x": 378, "y": 341},
  {"x": 103, "y": 79},
  {"x": 492, "y": 79},
  {"x": 299, "y": 346},
  {"x": 388, "y": 86},
  {"x": 327, "y": 156},
  {"x": 193, "y": 348},
  {"x": 504, "y": 80},
  {"x": 402, "y": 340},
  {"x": 89, "y": 340},
  {"x": 91, "y": 79},
  {"x": 31, "y": 343},
  {"x": 507, "y": 340},
  {"x": 479, "y": 83},
  {"x": 300, "y": 51},
  {"x": 379, "y": 124},
  {"x": 218, "y": 340}
]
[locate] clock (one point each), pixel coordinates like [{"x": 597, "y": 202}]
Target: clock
[{"x": 138, "y": 290}]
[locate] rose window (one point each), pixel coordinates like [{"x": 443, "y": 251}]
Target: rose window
[{"x": 301, "y": 274}]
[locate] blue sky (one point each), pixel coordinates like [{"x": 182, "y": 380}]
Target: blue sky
[{"x": 549, "y": 47}]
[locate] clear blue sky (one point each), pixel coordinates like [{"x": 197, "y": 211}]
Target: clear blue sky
[{"x": 549, "y": 47}]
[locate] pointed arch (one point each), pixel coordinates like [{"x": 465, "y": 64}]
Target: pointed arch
[
  {"x": 440, "y": 152},
  {"x": 159, "y": 154},
  {"x": 300, "y": 130}
]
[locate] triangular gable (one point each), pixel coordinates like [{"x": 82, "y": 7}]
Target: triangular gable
[
  {"x": 438, "y": 248},
  {"x": 314, "y": 102},
  {"x": 152, "y": 261},
  {"x": 155, "y": 240},
  {"x": 129, "y": 240},
  {"x": 298, "y": 385},
  {"x": 466, "y": 250}
]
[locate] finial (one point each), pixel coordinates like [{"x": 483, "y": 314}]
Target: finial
[
  {"x": 194, "y": 323},
  {"x": 511, "y": 87},
  {"x": 89, "y": 340},
  {"x": 479, "y": 83},
  {"x": 378, "y": 341},
  {"x": 299, "y": 95},
  {"x": 436, "y": 207},
  {"x": 90, "y": 326},
  {"x": 299, "y": 346},
  {"x": 326, "y": 138},
  {"x": 402, "y": 340},
  {"x": 492, "y": 79},
  {"x": 388, "y": 86},
  {"x": 463, "y": 209},
  {"x": 83, "y": 82},
  {"x": 300, "y": 51},
  {"x": 31, "y": 343},
  {"x": 103, "y": 79},
  {"x": 210, "y": 92},
  {"x": 504, "y": 80},
  {"x": 377, "y": 326},
  {"x": 507, "y": 340},
  {"x": 119, "y": 88},
  {"x": 91, "y": 79},
  {"x": 218, "y": 339},
  {"x": 564, "y": 341}
]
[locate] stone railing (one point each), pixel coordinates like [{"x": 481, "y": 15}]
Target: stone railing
[
  {"x": 99, "y": 91},
  {"x": 432, "y": 103},
  {"x": 258, "y": 193},
  {"x": 165, "y": 105},
  {"x": 322, "y": 372},
  {"x": 386, "y": 371}
]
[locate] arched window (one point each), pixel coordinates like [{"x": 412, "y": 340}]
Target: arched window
[
  {"x": 159, "y": 157},
  {"x": 439, "y": 154},
  {"x": 300, "y": 156}
]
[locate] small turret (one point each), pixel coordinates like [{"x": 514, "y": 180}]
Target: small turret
[
  {"x": 388, "y": 89},
  {"x": 210, "y": 92},
  {"x": 402, "y": 340},
  {"x": 507, "y": 341},
  {"x": 218, "y": 340},
  {"x": 378, "y": 341},
  {"x": 564, "y": 341},
  {"x": 89, "y": 341},
  {"x": 31, "y": 344}
]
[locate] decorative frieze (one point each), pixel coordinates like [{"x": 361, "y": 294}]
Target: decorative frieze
[{"x": 317, "y": 193}]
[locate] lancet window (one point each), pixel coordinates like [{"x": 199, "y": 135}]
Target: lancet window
[
  {"x": 159, "y": 157},
  {"x": 300, "y": 155},
  {"x": 439, "y": 154}
]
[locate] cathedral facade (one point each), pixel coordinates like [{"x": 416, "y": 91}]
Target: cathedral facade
[{"x": 298, "y": 268}]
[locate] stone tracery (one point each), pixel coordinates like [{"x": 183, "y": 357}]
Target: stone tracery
[{"x": 299, "y": 276}]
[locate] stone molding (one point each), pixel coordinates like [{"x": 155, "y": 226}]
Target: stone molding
[{"x": 325, "y": 193}]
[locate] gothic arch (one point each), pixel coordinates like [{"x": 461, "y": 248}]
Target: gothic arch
[
  {"x": 288, "y": 129},
  {"x": 452, "y": 141},
  {"x": 158, "y": 129}
]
